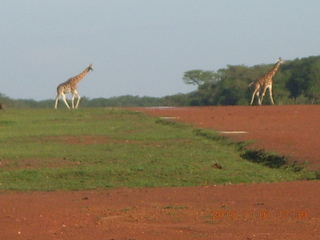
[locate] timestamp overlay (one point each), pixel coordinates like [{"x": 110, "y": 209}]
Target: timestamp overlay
[{"x": 259, "y": 214}]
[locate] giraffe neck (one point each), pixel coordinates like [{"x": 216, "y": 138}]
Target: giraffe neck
[
  {"x": 80, "y": 76},
  {"x": 273, "y": 71}
]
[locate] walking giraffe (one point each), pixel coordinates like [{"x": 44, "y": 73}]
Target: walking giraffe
[
  {"x": 71, "y": 86},
  {"x": 264, "y": 83},
  {"x": 3, "y": 106}
]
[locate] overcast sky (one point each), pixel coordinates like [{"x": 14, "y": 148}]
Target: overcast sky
[{"x": 143, "y": 47}]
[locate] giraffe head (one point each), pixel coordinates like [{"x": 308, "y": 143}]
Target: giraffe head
[
  {"x": 90, "y": 67},
  {"x": 280, "y": 60}
]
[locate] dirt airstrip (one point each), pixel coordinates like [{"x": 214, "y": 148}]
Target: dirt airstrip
[{"x": 247, "y": 211}]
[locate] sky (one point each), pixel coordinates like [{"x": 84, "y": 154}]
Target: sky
[{"x": 144, "y": 47}]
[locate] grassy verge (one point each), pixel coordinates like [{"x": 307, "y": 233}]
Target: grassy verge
[{"x": 48, "y": 149}]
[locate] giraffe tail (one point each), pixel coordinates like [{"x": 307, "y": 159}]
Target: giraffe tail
[{"x": 250, "y": 84}]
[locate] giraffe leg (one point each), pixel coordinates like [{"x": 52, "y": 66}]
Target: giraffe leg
[
  {"x": 258, "y": 96},
  {"x": 65, "y": 100},
  {"x": 255, "y": 92},
  {"x": 72, "y": 100},
  {"x": 57, "y": 99},
  {"x": 78, "y": 96},
  {"x": 270, "y": 92},
  {"x": 263, "y": 93},
  {"x": 253, "y": 95},
  {"x": 252, "y": 98}
]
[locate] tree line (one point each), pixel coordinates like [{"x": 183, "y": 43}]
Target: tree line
[{"x": 296, "y": 82}]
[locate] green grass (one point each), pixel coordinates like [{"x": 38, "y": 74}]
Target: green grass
[{"x": 47, "y": 150}]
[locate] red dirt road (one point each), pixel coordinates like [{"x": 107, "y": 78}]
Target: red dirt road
[{"x": 246, "y": 211}]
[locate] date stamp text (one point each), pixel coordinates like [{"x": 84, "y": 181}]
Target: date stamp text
[{"x": 250, "y": 214}]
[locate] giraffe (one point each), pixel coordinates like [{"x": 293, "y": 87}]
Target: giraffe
[
  {"x": 71, "y": 86},
  {"x": 3, "y": 106},
  {"x": 264, "y": 83}
]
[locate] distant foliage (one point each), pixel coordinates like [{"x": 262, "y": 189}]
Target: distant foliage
[{"x": 122, "y": 101}]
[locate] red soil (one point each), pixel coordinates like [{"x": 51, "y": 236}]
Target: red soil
[
  {"x": 292, "y": 130},
  {"x": 246, "y": 211}
]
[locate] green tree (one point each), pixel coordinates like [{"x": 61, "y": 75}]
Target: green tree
[
  {"x": 233, "y": 87},
  {"x": 199, "y": 77}
]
